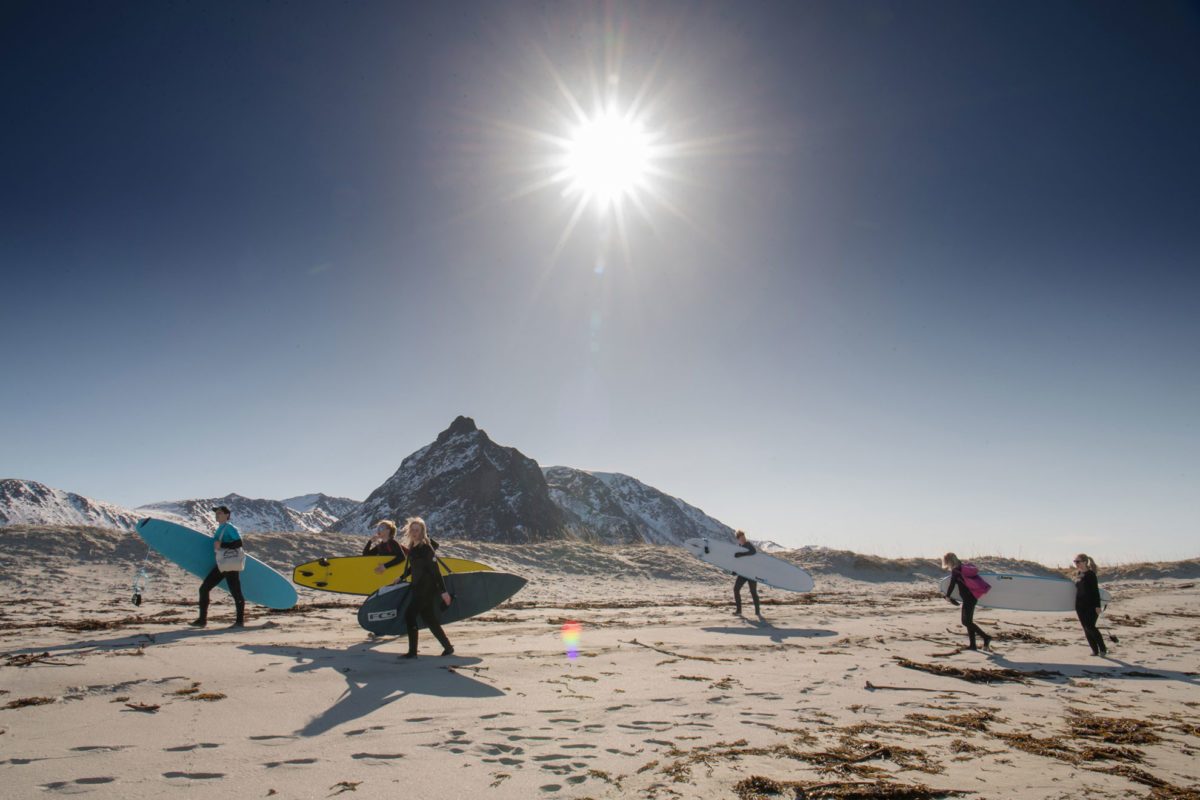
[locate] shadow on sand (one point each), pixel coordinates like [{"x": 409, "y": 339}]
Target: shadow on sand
[
  {"x": 375, "y": 679},
  {"x": 131, "y": 640},
  {"x": 1100, "y": 669},
  {"x": 778, "y": 635}
]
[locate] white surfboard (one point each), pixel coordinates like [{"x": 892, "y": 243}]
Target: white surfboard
[
  {"x": 759, "y": 567},
  {"x": 1026, "y": 592}
]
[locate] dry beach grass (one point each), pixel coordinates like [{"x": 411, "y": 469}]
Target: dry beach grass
[{"x": 858, "y": 690}]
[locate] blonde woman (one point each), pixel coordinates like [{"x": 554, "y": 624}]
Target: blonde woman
[
  {"x": 1087, "y": 602},
  {"x": 427, "y": 584},
  {"x": 970, "y": 588}
]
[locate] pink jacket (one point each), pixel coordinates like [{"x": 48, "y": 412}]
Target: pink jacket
[{"x": 978, "y": 586}]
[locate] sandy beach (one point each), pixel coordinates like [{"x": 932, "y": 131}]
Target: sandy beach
[{"x": 859, "y": 689}]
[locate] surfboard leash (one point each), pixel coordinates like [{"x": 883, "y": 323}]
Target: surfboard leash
[{"x": 141, "y": 579}]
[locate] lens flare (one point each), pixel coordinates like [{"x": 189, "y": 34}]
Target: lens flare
[{"x": 570, "y": 635}]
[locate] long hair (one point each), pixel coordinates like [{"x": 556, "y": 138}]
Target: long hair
[
  {"x": 1091, "y": 565},
  {"x": 950, "y": 561},
  {"x": 415, "y": 533},
  {"x": 391, "y": 526}
]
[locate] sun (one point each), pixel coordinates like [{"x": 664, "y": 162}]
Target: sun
[{"x": 606, "y": 159}]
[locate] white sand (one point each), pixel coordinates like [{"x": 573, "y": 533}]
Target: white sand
[{"x": 680, "y": 699}]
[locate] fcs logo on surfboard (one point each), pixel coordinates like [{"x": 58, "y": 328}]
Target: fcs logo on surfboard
[{"x": 380, "y": 616}]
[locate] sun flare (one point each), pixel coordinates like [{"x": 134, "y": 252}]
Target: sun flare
[{"x": 606, "y": 159}]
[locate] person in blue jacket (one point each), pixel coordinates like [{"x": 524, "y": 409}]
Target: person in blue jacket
[{"x": 225, "y": 538}]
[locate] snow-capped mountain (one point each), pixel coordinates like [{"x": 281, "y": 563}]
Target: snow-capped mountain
[
  {"x": 25, "y": 502},
  {"x": 335, "y": 507},
  {"x": 465, "y": 486},
  {"x": 304, "y": 513},
  {"x": 614, "y": 509}
]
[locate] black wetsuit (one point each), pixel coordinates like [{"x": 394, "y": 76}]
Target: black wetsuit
[
  {"x": 740, "y": 582},
  {"x": 427, "y": 588},
  {"x": 1087, "y": 603},
  {"x": 967, "y": 601},
  {"x": 389, "y": 547}
]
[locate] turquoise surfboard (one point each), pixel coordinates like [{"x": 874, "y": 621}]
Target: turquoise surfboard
[{"x": 193, "y": 551}]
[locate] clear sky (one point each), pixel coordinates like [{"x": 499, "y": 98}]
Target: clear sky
[{"x": 897, "y": 277}]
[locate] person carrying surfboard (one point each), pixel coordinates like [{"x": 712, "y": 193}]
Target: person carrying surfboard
[
  {"x": 748, "y": 550},
  {"x": 383, "y": 543},
  {"x": 225, "y": 538},
  {"x": 427, "y": 584},
  {"x": 1087, "y": 602},
  {"x": 971, "y": 587}
]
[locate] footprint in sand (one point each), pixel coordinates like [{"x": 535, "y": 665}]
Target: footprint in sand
[
  {"x": 77, "y": 786},
  {"x": 497, "y": 714},
  {"x": 186, "y": 748},
  {"x": 551, "y": 787},
  {"x": 618, "y": 752},
  {"x": 418, "y": 719},
  {"x": 495, "y": 749},
  {"x": 272, "y": 740},
  {"x": 377, "y": 758},
  {"x": 100, "y": 748},
  {"x": 195, "y": 776},
  {"x": 361, "y": 731},
  {"x": 291, "y": 762}
]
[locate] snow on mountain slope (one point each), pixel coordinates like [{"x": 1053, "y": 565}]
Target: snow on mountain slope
[
  {"x": 616, "y": 508},
  {"x": 252, "y": 515},
  {"x": 25, "y": 502}
]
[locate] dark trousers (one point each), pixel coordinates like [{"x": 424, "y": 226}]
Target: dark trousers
[
  {"x": 425, "y": 603},
  {"x": 1088, "y": 618},
  {"x": 737, "y": 593},
  {"x": 233, "y": 580},
  {"x": 968, "y": 620}
]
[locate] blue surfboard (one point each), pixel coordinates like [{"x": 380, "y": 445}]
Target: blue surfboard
[{"x": 193, "y": 551}]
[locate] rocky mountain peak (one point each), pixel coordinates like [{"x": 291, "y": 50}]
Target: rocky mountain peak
[
  {"x": 465, "y": 486},
  {"x": 460, "y": 426}
]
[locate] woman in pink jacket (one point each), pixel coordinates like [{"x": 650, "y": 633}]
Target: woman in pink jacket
[{"x": 966, "y": 578}]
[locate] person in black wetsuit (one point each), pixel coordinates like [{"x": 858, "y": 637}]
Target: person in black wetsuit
[
  {"x": 225, "y": 538},
  {"x": 952, "y": 563},
  {"x": 383, "y": 543},
  {"x": 1087, "y": 603},
  {"x": 740, "y": 582},
  {"x": 427, "y": 585}
]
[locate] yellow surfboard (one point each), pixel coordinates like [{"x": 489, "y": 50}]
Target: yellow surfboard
[{"x": 356, "y": 574}]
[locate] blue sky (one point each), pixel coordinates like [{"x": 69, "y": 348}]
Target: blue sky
[{"x": 917, "y": 277}]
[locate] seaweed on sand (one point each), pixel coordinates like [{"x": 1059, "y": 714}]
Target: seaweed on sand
[
  {"x": 976, "y": 675},
  {"x": 22, "y": 702},
  {"x": 953, "y": 723},
  {"x": 1112, "y": 730},
  {"x": 756, "y": 787},
  {"x": 1159, "y": 788}
]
